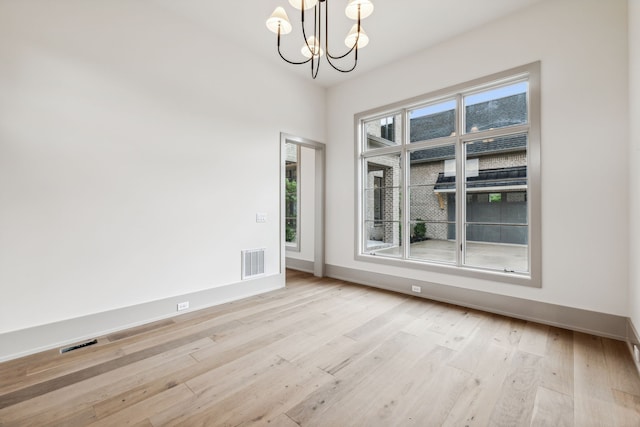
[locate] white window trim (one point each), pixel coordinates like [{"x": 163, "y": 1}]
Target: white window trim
[{"x": 532, "y": 74}]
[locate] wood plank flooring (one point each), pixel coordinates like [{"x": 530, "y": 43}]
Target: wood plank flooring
[{"x": 328, "y": 353}]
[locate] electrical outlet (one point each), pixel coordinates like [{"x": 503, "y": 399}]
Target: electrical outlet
[
  {"x": 636, "y": 353},
  {"x": 183, "y": 305},
  {"x": 416, "y": 289}
]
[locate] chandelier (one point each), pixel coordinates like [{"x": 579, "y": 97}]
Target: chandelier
[{"x": 317, "y": 45}]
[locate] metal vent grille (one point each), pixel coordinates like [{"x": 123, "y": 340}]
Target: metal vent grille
[
  {"x": 252, "y": 263},
  {"x": 78, "y": 346}
]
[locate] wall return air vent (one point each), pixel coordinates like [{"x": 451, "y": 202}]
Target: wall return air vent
[{"x": 252, "y": 263}]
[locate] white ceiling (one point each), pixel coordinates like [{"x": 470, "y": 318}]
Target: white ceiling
[{"x": 397, "y": 28}]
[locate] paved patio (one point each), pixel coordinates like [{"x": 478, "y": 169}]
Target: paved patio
[{"x": 478, "y": 254}]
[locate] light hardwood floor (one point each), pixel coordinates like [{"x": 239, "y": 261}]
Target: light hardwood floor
[{"x": 329, "y": 353}]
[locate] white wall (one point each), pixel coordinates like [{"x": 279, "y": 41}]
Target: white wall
[
  {"x": 634, "y": 158},
  {"x": 582, "y": 46},
  {"x": 135, "y": 150},
  {"x": 306, "y": 185}
]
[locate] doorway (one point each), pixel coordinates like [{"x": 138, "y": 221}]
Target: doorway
[{"x": 302, "y": 204}]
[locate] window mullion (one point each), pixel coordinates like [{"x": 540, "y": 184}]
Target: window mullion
[
  {"x": 406, "y": 168},
  {"x": 362, "y": 204},
  {"x": 381, "y": 152},
  {"x": 460, "y": 190},
  {"x": 495, "y": 133}
]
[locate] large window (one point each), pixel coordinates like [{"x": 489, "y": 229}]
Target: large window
[{"x": 450, "y": 181}]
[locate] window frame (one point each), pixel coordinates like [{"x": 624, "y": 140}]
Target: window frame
[{"x": 530, "y": 73}]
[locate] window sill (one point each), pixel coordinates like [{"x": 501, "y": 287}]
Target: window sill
[
  {"x": 292, "y": 247},
  {"x": 521, "y": 279}
]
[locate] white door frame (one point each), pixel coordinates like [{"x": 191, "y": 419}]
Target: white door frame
[{"x": 319, "y": 202}]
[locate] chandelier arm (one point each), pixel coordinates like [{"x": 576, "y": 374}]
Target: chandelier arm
[
  {"x": 315, "y": 69},
  {"x": 326, "y": 46},
  {"x": 346, "y": 54},
  {"x": 304, "y": 32},
  {"x": 318, "y": 27},
  {"x": 354, "y": 47},
  {"x": 317, "y": 32},
  {"x": 285, "y": 59},
  {"x": 346, "y": 70},
  {"x": 326, "y": 28}
]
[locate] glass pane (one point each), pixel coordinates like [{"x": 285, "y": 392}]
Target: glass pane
[
  {"x": 496, "y": 163},
  {"x": 291, "y": 230},
  {"x": 433, "y": 166},
  {"x": 383, "y": 238},
  {"x": 432, "y": 184},
  {"x": 291, "y": 192},
  {"x": 486, "y": 247},
  {"x": 382, "y": 171},
  {"x": 433, "y": 241},
  {"x": 383, "y": 132},
  {"x": 497, "y": 208},
  {"x": 496, "y": 217},
  {"x": 430, "y": 205},
  {"x": 382, "y": 204},
  {"x": 432, "y": 121},
  {"x": 291, "y": 199},
  {"x": 496, "y": 108},
  {"x": 432, "y": 210}
]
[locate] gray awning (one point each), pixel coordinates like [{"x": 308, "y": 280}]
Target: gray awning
[{"x": 508, "y": 179}]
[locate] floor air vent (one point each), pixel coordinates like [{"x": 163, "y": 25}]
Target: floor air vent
[
  {"x": 77, "y": 346},
  {"x": 252, "y": 263}
]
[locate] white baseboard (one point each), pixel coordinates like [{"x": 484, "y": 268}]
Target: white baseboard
[
  {"x": 592, "y": 322},
  {"x": 633, "y": 339},
  {"x": 299, "y": 265},
  {"x": 60, "y": 334}
]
